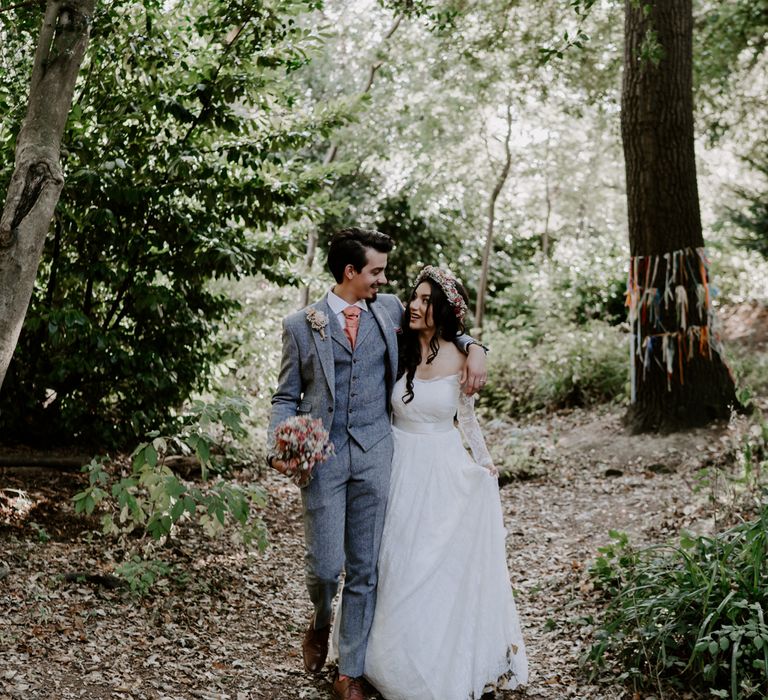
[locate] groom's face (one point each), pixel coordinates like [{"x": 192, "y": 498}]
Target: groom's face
[{"x": 365, "y": 284}]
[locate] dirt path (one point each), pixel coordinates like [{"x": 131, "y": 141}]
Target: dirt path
[{"x": 227, "y": 624}]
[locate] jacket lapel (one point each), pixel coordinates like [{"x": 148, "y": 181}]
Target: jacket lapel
[
  {"x": 367, "y": 324},
  {"x": 339, "y": 335},
  {"x": 390, "y": 336},
  {"x": 324, "y": 345}
]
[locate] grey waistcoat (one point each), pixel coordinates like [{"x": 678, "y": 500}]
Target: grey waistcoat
[{"x": 361, "y": 410}]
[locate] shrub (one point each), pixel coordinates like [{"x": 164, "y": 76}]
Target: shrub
[
  {"x": 692, "y": 614},
  {"x": 555, "y": 367},
  {"x": 585, "y": 279},
  {"x": 142, "y": 575},
  {"x": 150, "y": 498},
  {"x": 181, "y": 168}
]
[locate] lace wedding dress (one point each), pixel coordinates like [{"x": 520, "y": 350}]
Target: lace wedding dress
[{"x": 445, "y": 625}]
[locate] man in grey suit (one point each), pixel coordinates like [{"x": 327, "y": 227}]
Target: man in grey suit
[{"x": 339, "y": 364}]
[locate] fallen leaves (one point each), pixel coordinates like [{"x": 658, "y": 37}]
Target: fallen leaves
[{"x": 226, "y": 624}]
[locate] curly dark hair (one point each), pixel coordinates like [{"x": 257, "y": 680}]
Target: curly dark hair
[{"x": 446, "y": 326}]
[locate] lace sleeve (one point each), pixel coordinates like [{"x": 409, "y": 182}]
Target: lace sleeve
[{"x": 470, "y": 430}]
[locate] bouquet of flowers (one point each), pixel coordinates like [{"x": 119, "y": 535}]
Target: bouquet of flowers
[{"x": 304, "y": 439}]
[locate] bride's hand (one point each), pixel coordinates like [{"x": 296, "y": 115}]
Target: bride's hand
[{"x": 494, "y": 472}]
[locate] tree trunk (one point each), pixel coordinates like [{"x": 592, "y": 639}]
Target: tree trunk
[
  {"x": 37, "y": 178},
  {"x": 488, "y": 249},
  {"x": 547, "y": 202},
  {"x": 679, "y": 378}
]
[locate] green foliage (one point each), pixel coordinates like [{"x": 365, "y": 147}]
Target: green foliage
[
  {"x": 418, "y": 242},
  {"x": 693, "y": 615},
  {"x": 42, "y": 534},
  {"x": 253, "y": 351},
  {"x": 141, "y": 575},
  {"x": 752, "y": 214},
  {"x": 737, "y": 486},
  {"x": 584, "y": 279},
  {"x": 751, "y": 479},
  {"x": 750, "y": 369},
  {"x": 557, "y": 341},
  {"x": 729, "y": 65},
  {"x": 150, "y": 498},
  {"x": 568, "y": 40},
  {"x": 724, "y": 32},
  {"x": 555, "y": 367},
  {"x": 186, "y": 150}
]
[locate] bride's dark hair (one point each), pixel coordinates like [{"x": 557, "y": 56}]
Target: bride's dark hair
[{"x": 446, "y": 325}]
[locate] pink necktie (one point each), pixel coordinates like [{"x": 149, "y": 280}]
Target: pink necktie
[{"x": 351, "y": 323}]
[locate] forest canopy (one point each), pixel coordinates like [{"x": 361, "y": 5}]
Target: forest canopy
[{"x": 227, "y": 140}]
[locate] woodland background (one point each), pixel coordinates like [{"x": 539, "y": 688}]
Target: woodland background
[{"x": 211, "y": 149}]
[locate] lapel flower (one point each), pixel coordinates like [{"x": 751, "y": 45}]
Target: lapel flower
[{"x": 317, "y": 320}]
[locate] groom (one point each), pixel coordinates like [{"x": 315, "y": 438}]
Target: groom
[{"x": 339, "y": 364}]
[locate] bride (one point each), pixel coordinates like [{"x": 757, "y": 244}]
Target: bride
[{"x": 445, "y": 625}]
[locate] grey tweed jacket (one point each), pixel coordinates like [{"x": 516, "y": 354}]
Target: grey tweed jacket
[{"x": 307, "y": 381}]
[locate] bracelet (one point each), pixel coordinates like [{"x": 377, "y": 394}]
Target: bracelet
[{"x": 475, "y": 342}]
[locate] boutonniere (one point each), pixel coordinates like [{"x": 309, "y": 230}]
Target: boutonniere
[
  {"x": 317, "y": 320},
  {"x": 398, "y": 330}
]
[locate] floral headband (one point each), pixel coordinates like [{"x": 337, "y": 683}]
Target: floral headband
[{"x": 447, "y": 283}]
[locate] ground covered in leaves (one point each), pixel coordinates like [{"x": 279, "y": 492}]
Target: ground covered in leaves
[{"x": 226, "y": 622}]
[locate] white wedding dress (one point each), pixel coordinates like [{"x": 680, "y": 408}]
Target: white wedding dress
[{"x": 445, "y": 625}]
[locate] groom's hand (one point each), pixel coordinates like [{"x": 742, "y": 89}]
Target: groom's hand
[
  {"x": 475, "y": 373},
  {"x": 287, "y": 468}
]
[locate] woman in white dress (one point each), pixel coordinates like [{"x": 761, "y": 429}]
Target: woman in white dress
[{"x": 445, "y": 625}]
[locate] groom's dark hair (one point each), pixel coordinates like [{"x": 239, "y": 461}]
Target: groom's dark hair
[{"x": 349, "y": 247}]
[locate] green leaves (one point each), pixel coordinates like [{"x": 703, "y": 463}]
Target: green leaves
[
  {"x": 141, "y": 574},
  {"x": 153, "y": 499},
  {"x": 87, "y": 500},
  {"x": 184, "y": 153},
  {"x": 693, "y": 613}
]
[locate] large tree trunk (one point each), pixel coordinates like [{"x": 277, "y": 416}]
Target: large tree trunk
[
  {"x": 679, "y": 378},
  {"x": 37, "y": 178}
]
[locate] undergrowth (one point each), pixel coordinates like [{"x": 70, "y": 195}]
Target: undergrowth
[
  {"x": 691, "y": 615},
  {"x": 142, "y": 505},
  {"x": 555, "y": 367}
]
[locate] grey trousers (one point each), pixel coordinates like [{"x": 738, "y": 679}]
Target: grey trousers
[{"x": 344, "y": 508}]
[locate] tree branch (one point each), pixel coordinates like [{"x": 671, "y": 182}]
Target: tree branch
[
  {"x": 330, "y": 156},
  {"x": 199, "y": 118},
  {"x": 481, "y": 288}
]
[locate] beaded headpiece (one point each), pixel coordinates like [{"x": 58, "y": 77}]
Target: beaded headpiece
[{"x": 447, "y": 283}]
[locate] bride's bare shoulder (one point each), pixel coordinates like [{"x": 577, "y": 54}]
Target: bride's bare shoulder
[{"x": 451, "y": 358}]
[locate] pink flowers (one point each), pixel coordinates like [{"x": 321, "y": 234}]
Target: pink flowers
[{"x": 303, "y": 439}]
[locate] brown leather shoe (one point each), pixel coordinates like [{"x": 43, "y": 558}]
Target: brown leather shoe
[
  {"x": 348, "y": 689},
  {"x": 315, "y": 646}
]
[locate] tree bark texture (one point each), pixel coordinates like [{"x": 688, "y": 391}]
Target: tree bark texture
[
  {"x": 37, "y": 178},
  {"x": 679, "y": 378}
]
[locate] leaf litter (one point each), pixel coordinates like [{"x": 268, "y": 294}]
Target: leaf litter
[{"x": 227, "y": 623}]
